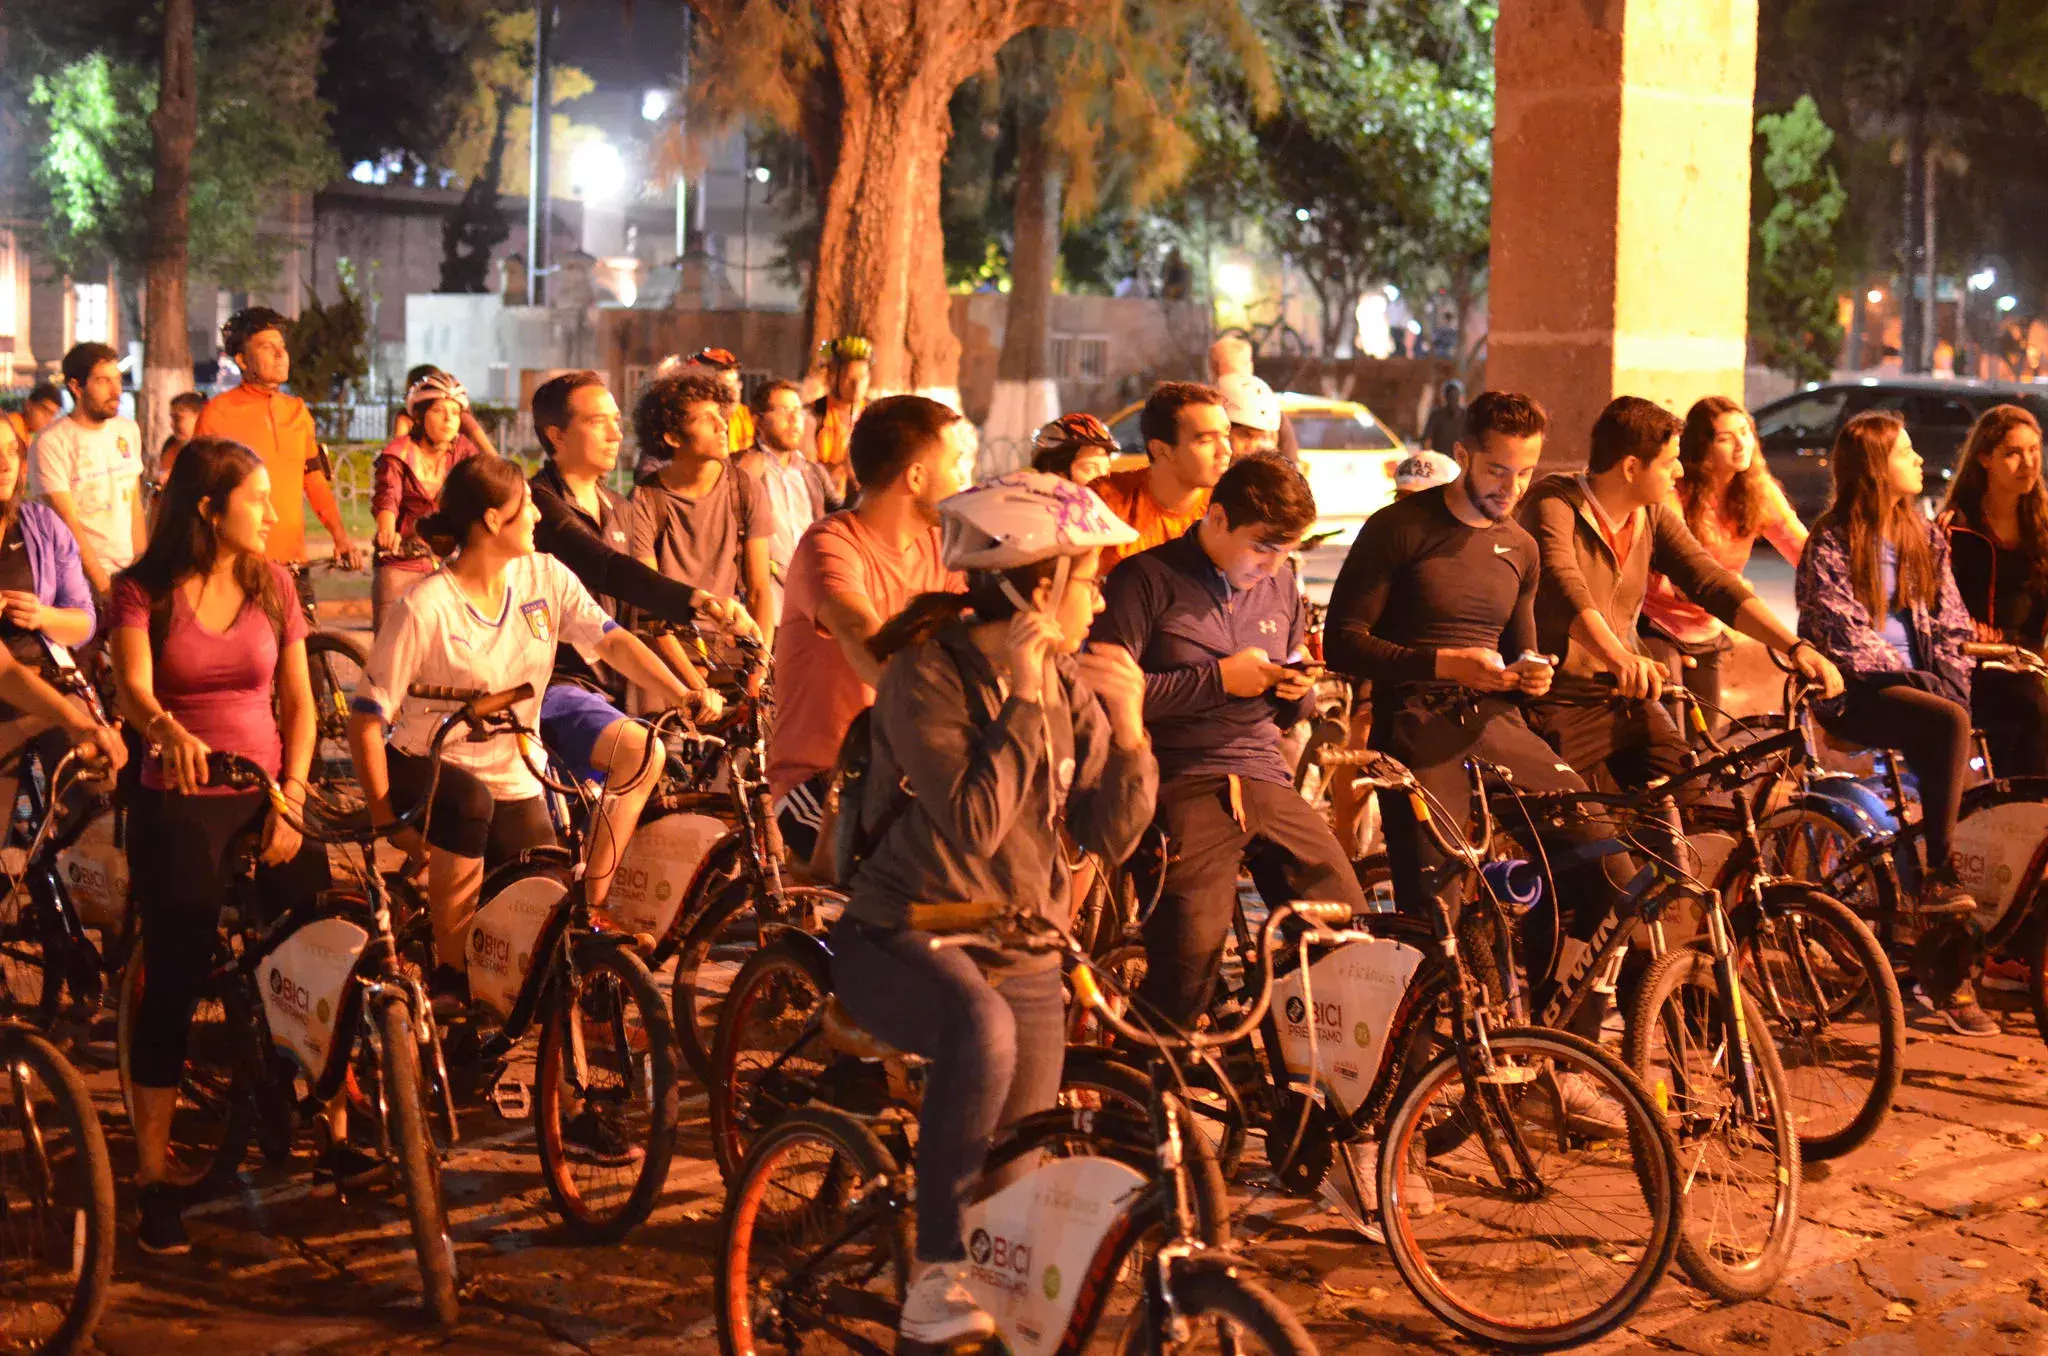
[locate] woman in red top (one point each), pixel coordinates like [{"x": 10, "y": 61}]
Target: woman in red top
[
  {"x": 205, "y": 632},
  {"x": 1730, "y": 499},
  {"x": 406, "y": 485}
]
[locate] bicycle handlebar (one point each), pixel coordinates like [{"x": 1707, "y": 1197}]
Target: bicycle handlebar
[
  {"x": 1006, "y": 926},
  {"x": 2010, "y": 658}
]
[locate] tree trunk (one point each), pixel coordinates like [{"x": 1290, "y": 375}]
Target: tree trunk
[
  {"x": 881, "y": 261},
  {"x": 174, "y": 128},
  {"x": 1026, "y": 395}
]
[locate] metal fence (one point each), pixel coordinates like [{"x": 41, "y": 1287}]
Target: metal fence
[{"x": 371, "y": 422}]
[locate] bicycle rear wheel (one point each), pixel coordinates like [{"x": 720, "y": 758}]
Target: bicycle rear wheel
[
  {"x": 815, "y": 1254},
  {"x": 57, "y": 1190},
  {"x": 605, "y": 1085},
  {"x": 1828, "y": 992},
  {"x": 1532, "y": 1229},
  {"x": 708, "y": 964},
  {"x": 334, "y": 664},
  {"x": 769, "y": 1053},
  {"x": 1739, "y": 1164}
]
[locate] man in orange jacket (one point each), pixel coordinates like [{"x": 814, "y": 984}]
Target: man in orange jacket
[{"x": 278, "y": 428}]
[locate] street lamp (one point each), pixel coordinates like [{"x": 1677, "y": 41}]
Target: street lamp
[
  {"x": 1875, "y": 296},
  {"x": 654, "y": 105},
  {"x": 2007, "y": 302},
  {"x": 597, "y": 170},
  {"x": 1981, "y": 280}
]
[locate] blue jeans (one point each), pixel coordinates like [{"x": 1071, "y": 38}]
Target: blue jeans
[{"x": 995, "y": 1054}]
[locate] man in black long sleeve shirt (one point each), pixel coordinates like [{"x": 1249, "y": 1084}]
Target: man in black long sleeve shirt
[{"x": 1436, "y": 590}]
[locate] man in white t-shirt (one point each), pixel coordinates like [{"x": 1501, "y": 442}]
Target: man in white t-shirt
[{"x": 88, "y": 466}]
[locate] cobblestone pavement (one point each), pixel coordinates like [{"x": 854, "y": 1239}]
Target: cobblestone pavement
[{"x": 1931, "y": 1238}]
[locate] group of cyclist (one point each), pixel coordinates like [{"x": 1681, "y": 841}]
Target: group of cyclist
[{"x": 1054, "y": 660}]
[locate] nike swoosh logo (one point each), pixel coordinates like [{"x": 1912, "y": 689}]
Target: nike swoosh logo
[{"x": 1503, "y": 550}]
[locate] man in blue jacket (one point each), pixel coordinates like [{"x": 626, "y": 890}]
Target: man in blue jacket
[{"x": 1214, "y": 618}]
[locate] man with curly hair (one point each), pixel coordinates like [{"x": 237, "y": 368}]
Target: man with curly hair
[{"x": 699, "y": 520}]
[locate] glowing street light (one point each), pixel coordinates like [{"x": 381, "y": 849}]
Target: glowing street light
[
  {"x": 654, "y": 105},
  {"x": 1981, "y": 281},
  {"x": 1875, "y": 296},
  {"x": 597, "y": 170},
  {"x": 1234, "y": 280},
  {"x": 2007, "y": 302}
]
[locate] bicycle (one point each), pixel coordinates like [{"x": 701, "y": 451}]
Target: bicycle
[
  {"x": 1860, "y": 839},
  {"x": 704, "y": 873},
  {"x": 605, "y": 1067},
  {"x": 321, "y": 999},
  {"x": 1820, "y": 975},
  {"x": 56, "y": 1200},
  {"x": 62, "y": 888},
  {"x": 1715, "y": 1074},
  {"x": 1112, "y": 1196}
]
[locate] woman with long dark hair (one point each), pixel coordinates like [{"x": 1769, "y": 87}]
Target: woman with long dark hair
[
  {"x": 1729, "y": 498},
  {"x": 1001, "y": 732},
  {"x": 1876, "y": 596},
  {"x": 1997, "y": 522},
  {"x": 206, "y": 635}
]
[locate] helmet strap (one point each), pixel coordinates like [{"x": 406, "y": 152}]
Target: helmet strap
[{"x": 1062, "y": 569}]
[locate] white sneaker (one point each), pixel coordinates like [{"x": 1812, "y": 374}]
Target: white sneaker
[
  {"x": 940, "y": 1309},
  {"x": 1351, "y": 1188},
  {"x": 1588, "y": 1111}
]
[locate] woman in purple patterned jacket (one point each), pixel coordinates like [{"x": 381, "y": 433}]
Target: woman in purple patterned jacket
[{"x": 1876, "y": 596}]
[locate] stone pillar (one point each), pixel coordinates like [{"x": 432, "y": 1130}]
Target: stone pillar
[{"x": 1621, "y": 157}]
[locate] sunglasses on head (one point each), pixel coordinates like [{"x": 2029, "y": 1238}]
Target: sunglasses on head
[{"x": 721, "y": 358}]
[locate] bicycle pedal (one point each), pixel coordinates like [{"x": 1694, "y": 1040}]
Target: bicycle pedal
[
  {"x": 1508, "y": 1075},
  {"x": 512, "y": 1095}
]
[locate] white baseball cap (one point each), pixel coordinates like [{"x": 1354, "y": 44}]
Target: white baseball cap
[{"x": 1423, "y": 469}]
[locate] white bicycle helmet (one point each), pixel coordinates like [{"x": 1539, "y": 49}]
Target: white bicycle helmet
[
  {"x": 1249, "y": 401},
  {"x": 1024, "y": 517},
  {"x": 436, "y": 386}
]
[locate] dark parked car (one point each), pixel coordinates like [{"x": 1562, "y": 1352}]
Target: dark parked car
[{"x": 1798, "y": 431}]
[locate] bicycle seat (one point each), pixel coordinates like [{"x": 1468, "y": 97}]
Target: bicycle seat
[{"x": 847, "y": 1036}]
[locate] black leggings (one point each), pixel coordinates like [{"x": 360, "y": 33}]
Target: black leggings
[
  {"x": 465, "y": 819},
  {"x": 1930, "y": 730},
  {"x": 176, "y": 846},
  {"x": 2012, "y": 710}
]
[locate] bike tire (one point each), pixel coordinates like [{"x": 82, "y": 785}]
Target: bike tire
[
  {"x": 852, "y": 1179},
  {"x": 419, "y": 1167},
  {"x": 1816, "y": 1020},
  {"x": 618, "y": 1012},
  {"x": 1632, "y": 1266},
  {"x": 773, "y": 998},
  {"x": 695, "y": 997},
  {"x": 217, "y": 1116},
  {"x": 334, "y": 662},
  {"x": 1680, "y": 1001},
  {"x": 62, "y": 1131},
  {"x": 1247, "y": 1316}
]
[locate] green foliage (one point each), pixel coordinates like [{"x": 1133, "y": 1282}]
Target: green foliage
[
  {"x": 262, "y": 136},
  {"x": 1796, "y": 200},
  {"x": 1377, "y": 165},
  {"x": 329, "y": 343}
]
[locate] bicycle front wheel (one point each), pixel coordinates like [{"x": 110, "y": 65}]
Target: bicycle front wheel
[
  {"x": 605, "y": 1087},
  {"x": 816, "y": 1248},
  {"x": 1827, "y": 990},
  {"x": 334, "y": 665},
  {"x": 1551, "y": 1212},
  {"x": 418, "y": 1166},
  {"x": 1738, "y": 1157},
  {"x": 57, "y": 1240}
]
